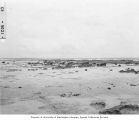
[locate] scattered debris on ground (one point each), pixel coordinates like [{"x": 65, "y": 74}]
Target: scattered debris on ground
[
  {"x": 70, "y": 94},
  {"x": 98, "y": 105}
]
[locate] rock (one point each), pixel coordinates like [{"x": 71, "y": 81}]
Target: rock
[
  {"x": 77, "y": 94},
  {"x": 98, "y": 105},
  {"x": 6, "y": 86},
  {"x": 3, "y": 62},
  {"x": 119, "y": 65},
  {"x": 101, "y": 64},
  {"x": 32, "y": 69},
  {"x": 128, "y": 70},
  {"x": 63, "y": 95},
  {"x": 133, "y": 85},
  {"x": 84, "y": 64},
  {"x": 121, "y": 109},
  {"x": 109, "y": 88},
  {"x": 69, "y": 94}
]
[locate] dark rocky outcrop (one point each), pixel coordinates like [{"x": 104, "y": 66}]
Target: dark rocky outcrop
[
  {"x": 101, "y": 64},
  {"x": 121, "y": 109},
  {"x": 128, "y": 70}
]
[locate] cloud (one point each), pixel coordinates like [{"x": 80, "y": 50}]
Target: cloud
[{"x": 71, "y": 28}]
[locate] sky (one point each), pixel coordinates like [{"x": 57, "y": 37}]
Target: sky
[{"x": 71, "y": 29}]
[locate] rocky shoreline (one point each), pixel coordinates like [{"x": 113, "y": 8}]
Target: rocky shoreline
[{"x": 39, "y": 86}]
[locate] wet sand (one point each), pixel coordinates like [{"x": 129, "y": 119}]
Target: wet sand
[{"x": 31, "y": 89}]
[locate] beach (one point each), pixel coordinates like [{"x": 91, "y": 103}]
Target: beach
[{"x": 68, "y": 87}]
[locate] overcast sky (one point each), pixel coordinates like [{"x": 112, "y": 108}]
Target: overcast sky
[{"x": 71, "y": 28}]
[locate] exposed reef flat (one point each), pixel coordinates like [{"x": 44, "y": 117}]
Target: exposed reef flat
[{"x": 60, "y": 86}]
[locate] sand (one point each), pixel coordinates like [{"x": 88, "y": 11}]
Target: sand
[{"x": 86, "y": 90}]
